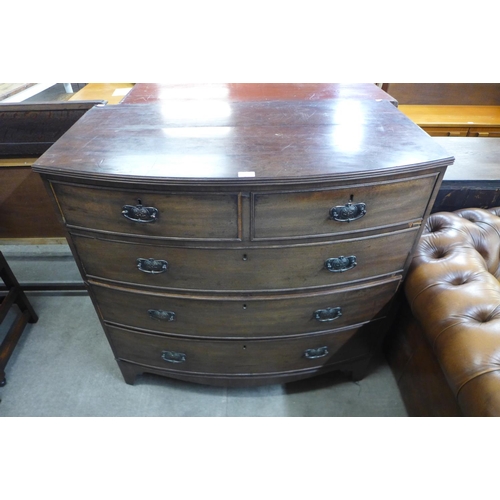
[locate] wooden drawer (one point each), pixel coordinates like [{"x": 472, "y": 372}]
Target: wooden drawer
[
  {"x": 242, "y": 357},
  {"x": 447, "y": 131},
  {"x": 264, "y": 268},
  {"x": 308, "y": 213},
  {"x": 484, "y": 132},
  {"x": 181, "y": 216},
  {"x": 244, "y": 317}
]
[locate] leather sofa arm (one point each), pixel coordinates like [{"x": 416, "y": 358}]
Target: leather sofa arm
[{"x": 454, "y": 293}]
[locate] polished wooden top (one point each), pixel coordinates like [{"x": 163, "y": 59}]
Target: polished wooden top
[
  {"x": 476, "y": 158},
  {"x": 242, "y": 142},
  {"x": 469, "y": 116},
  {"x": 153, "y": 92}
]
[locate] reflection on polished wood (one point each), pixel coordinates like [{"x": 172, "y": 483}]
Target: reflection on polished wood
[
  {"x": 219, "y": 140},
  {"x": 153, "y": 92}
]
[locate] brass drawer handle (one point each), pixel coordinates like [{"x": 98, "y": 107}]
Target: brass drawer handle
[
  {"x": 319, "y": 352},
  {"x": 341, "y": 264},
  {"x": 152, "y": 266},
  {"x": 348, "y": 212},
  {"x": 328, "y": 314},
  {"x": 161, "y": 315},
  {"x": 173, "y": 357},
  {"x": 138, "y": 213}
]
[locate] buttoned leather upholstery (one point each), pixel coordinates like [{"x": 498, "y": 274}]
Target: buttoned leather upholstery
[{"x": 453, "y": 291}]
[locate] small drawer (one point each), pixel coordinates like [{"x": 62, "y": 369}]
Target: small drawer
[
  {"x": 447, "y": 131},
  {"x": 219, "y": 357},
  {"x": 242, "y": 269},
  {"x": 152, "y": 214},
  {"x": 484, "y": 132},
  {"x": 244, "y": 317},
  {"x": 343, "y": 210}
]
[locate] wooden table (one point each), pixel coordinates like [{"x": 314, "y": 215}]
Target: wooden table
[
  {"x": 143, "y": 93},
  {"x": 474, "y": 179}
]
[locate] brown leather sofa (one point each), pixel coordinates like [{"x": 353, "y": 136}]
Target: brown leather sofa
[{"x": 445, "y": 347}]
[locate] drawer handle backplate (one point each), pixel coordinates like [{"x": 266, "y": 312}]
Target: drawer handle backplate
[
  {"x": 173, "y": 357},
  {"x": 138, "y": 213},
  {"x": 152, "y": 266},
  {"x": 348, "y": 212},
  {"x": 319, "y": 352},
  {"x": 340, "y": 264},
  {"x": 161, "y": 315},
  {"x": 328, "y": 314}
]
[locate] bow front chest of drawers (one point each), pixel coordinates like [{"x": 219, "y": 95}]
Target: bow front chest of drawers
[{"x": 243, "y": 243}]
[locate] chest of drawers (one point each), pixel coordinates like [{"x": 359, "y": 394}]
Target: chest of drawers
[{"x": 243, "y": 243}]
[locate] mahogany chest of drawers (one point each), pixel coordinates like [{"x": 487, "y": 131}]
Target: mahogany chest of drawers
[{"x": 247, "y": 242}]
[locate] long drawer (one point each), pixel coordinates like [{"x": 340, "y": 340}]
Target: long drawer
[
  {"x": 244, "y": 317},
  {"x": 266, "y": 268},
  {"x": 153, "y": 214},
  {"x": 242, "y": 357},
  {"x": 344, "y": 210}
]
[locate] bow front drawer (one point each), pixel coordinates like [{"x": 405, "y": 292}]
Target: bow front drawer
[
  {"x": 152, "y": 214},
  {"x": 243, "y": 317},
  {"x": 247, "y": 268},
  {"x": 296, "y": 214},
  {"x": 242, "y": 357}
]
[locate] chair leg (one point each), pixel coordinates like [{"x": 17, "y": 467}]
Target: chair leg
[
  {"x": 11, "y": 282},
  {"x": 10, "y": 341},
  {"x": 27, "y": 314}
]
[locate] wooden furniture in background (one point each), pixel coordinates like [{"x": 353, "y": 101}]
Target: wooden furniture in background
[
  {"x": 244, "y": 243},
  {"x": 451, "y": 109},
  {"x": 9, "y": 89},
  {"x": 455, "y": 121},
  {"x": 112, "y": 93},
  {"x": 19, "y": 92},
  {"x": 15, "y": 296},
  {"x": 27, "y": 131},
  {"x": 474, "y": 179},
  {"x": 439, "y": 94}
]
